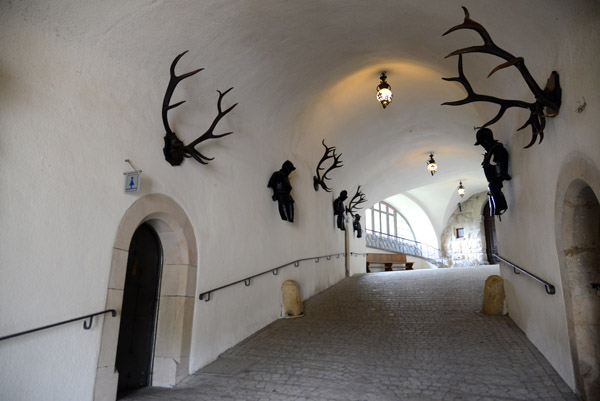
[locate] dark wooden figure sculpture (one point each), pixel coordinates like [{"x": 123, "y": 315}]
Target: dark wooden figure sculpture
[
  {"x": 495, "y": 168},
  {"x": 329, "y": 154},
  {"x": 547, "y": 100},
  {"x": 280, "y": 183},
  {"x": 174, "y": 149},
  {"x": 338, "y": 210},
  {"x": 356, "y": 226}
]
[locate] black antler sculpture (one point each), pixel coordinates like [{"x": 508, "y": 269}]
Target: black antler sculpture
[
  {"x": 174, "y": 149},
  {"x": 329, "y": 154},
  {"x": 356, "y": 200},
  {"x": 547, "y": 101}
]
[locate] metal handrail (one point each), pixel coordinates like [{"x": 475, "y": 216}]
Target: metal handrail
[
  {"x": 550, "y": 289},
  {"x": 86, "y": 325},
  {"x": 275, "y": 270}
]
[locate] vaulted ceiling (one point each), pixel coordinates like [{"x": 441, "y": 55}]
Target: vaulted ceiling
[{"x": 305, "y": 71}]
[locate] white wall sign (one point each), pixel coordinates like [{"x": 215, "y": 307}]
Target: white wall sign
[{"x": 132, "y": 181}]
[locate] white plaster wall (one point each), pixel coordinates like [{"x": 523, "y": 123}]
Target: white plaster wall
[
  {"x": 527, "y": 234},
  {"x": 73, "y": 108},
  {"x": 417, "y": 218}
]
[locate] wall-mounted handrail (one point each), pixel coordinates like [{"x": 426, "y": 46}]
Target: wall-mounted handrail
[
  {"x": 86, "y": 325},
  {"x": 549, "y": 287},
  {"x": 275, "y": 270}
]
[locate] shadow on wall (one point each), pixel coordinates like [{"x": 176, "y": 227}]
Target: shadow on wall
[{"x": 463, "y": 239}]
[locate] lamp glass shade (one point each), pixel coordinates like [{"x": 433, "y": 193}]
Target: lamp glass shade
[
  {"x": 384, "y": 91},
  {"x": 432, "y": 167},
  {"x": 462, "y": 191},
  {"x": 384, "y": 96}
]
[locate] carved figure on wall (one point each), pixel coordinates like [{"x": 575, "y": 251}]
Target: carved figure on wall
[
  {"x": 339, "y": 209},
  {"x": 547, "y": 101},
  {"x": 319, "y": 180},
  {"x": 280, "y": 183},
  {"x": 495, "y": 168},
  {"x": 356, "y": 226}
]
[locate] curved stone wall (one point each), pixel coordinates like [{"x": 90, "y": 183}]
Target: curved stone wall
[{"x": 470, "y": 249}]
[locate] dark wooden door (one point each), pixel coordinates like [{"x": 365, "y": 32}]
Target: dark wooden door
[
  {"x": 491, "y": 243},
  {"x": 138, "y": 315}
]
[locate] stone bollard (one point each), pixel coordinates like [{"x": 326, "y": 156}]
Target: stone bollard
[
  {"x": 493, "y": 295},
  {"x": 292, "y": 301}
]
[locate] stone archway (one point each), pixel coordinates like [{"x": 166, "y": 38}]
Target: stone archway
[
  {"x": 578, "y": 243},
  {"x": 177, "y": 293}
]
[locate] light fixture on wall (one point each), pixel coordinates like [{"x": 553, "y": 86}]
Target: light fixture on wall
[
  {"x": 384, "y": 91},
  {"x": 461, "y": 189},
  {"x": 431, "y": 165}
]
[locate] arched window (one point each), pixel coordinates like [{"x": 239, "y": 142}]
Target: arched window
[{"x": 383, "y": 218}]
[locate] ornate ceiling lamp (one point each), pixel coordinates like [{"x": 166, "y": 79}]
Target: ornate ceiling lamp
[
  {"x": 431, "y": 165},
  {"x": 384, "y": 91},
  {"x": 461, "y": 189}
]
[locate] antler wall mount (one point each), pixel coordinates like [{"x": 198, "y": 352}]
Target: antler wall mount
[
  {"x": 319, "y": 180},
  {"x": 357, "y": 199},
  {"x": 174, "y": 149},
  {"x": 547, "y": 100}
]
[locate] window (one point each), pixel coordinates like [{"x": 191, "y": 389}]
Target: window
[
  {"x": 385, "y": 219},
  {"x": 460, "y": 233}
]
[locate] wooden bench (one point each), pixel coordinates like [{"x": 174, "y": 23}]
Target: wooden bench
[{"x": 388, "y": 259}]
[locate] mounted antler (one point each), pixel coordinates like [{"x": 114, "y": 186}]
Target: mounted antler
[
  {"x": 356, "y": 200},
  {"x": 174, "y": 149},
  {"x": 320, "y": 180},
  {"x": 547, "y": 101}
]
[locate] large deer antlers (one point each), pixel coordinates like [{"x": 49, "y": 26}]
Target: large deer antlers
[
  {"x": 547, "y": 101},
  {"x": 320, "y": 180},
  {"x": 356, "y": 200},
  {"x": 174, "y": 149}
]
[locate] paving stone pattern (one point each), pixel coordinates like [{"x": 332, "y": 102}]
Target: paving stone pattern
[{"x": 406, "y": 335}]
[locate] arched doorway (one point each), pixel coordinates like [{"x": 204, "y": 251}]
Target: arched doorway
[
  {"x": 491, "y": 241},
  {"x": 173, "y": 333},
  {"x": 139, "y": 312},
  {"x": 581, "y": 251}
]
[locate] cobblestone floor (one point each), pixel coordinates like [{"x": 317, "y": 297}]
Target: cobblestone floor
[{"x": 407, "y": 335}]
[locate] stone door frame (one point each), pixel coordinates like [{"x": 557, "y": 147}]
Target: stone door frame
[
  {"x": 177, "y": 293},
  {"x": 576, "y": 173}
]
